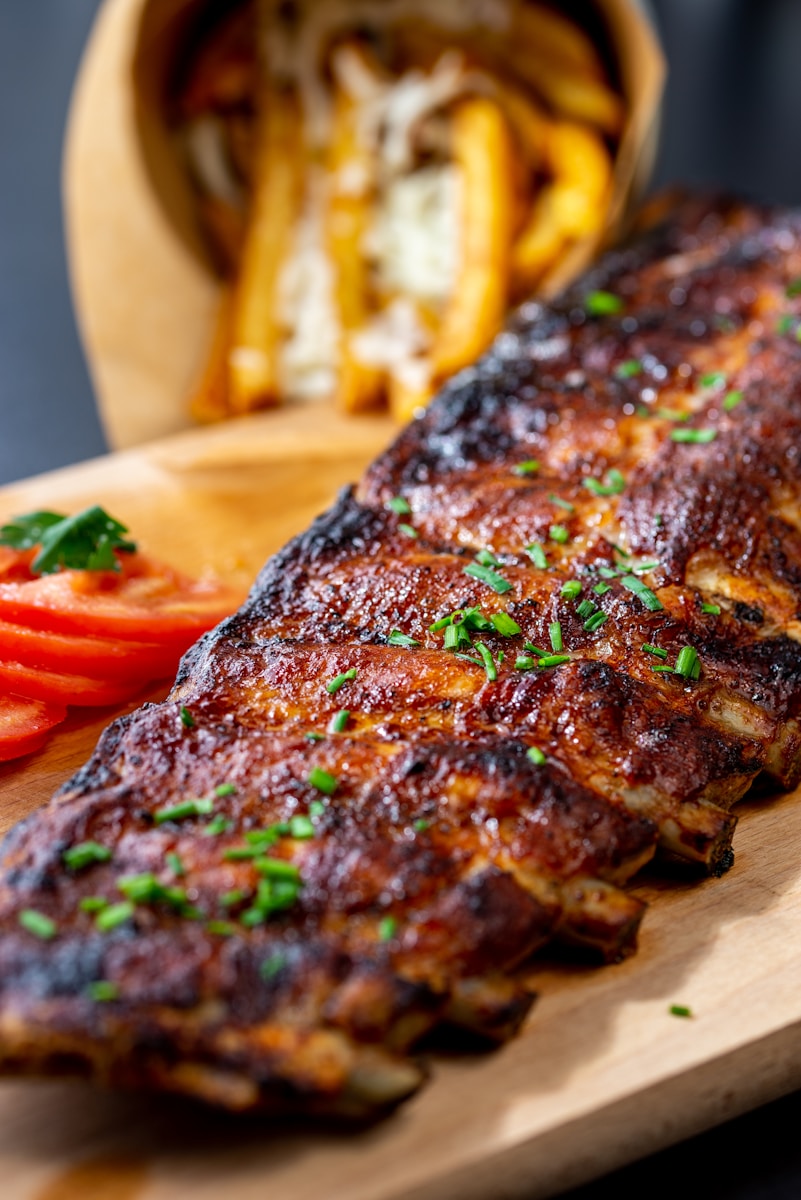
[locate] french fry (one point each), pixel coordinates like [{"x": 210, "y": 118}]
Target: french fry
[
  {"x": 528, "y": 120},
  {"x": 256, "y": 336},
  {"x": 209, "y": 401},
  {"x": 580, "y": 97},
  {"x": 351, "y": 170},
  {"x": 482, "y": 152},
  {"x": 572, "y": 206},
  {"x": 557, "y": 39},
  {"x": 409, "y": 395}
]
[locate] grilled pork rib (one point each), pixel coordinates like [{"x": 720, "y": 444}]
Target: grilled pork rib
[{"x": 552, "y": 632}]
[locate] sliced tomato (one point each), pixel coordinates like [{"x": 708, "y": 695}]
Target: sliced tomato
[
  {"x": 56, "y": 688},
  {"x": 145, "y": 600},
  {"x": 25, "y": 725},
  {"x": 73, "y": 653}
]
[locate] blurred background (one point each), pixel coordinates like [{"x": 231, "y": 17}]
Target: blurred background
[{"x": 732, "y": 119}]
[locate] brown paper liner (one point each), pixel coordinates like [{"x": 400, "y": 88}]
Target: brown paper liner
[{"x": 144, "y": 296}]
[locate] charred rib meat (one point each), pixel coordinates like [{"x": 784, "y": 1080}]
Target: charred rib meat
[{"x": 553, "y": 631}]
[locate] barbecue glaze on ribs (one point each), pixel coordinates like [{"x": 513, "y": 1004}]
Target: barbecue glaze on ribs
[{"x": 474, "y": 804}]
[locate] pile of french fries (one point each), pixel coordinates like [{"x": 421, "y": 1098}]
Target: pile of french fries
[{"x": 501, "y": 136}]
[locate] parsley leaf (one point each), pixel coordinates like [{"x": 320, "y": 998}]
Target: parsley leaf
[{"x": 84, "y": 542}]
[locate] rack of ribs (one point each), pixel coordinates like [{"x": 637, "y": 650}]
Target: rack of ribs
[{"x": 551, "y": 633}]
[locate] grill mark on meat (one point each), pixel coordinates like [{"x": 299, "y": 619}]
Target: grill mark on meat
[{"x": 446, "y": 855}]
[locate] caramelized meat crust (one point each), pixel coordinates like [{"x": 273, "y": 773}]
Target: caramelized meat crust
[{"x": 553, "y": 631}]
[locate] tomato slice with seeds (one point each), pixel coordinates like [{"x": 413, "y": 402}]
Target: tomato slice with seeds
[
  {"x": 25, "y": 725},
  {"x": 146, "y": 601}
]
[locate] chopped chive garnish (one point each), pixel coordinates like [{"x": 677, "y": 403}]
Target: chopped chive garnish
[
  {"x": 491, "y": 578},
  {"x": 93, "y": 904},
  {"x": 602, "y": 304},
  {"x": 272, "y": 966},
  {"x": 558, "y": 533},
  {"x": 658, "y": 520},
  {"x": 443, "y": 622},
  {"x": 672, "y": 414},
  {"x": 320, "y": 779},
  {"x": 537, "y": 555},
  {"x": 694, "y": 437},
  {"x": 504, "y": 625},
  {"x": 471, "y": 658},
  {"x": 687, "y": 663},
  {"x": 84, "y": 855},
  {"x": 643, "y": 567},
  {"x": 585, "y": 609},
  {"x": 628, "y": 369},
  {"x": 174, "y": 863},
  {"x": 225, "y": 789},
  {"x": 680, "y": 1010},
  {"x": 555, "y": 634},
  {"x": 715, "y": 379},
  {"x": 409, "y": 530},
  {"x": 232, "y": 898},
  {"x": 595, "y": 621},
  {"x": 642, "y": 592},
  {"x": 553, "y": 660},
  {"x": 221, "y": 928},
  {"x": 339, "y": 681},
  {"x": 301, "y": 827},
  {"x": 339, "y": 722},
  {"x": 712, "y": 610},
  {"x": 38, "y": 924},
  {"x": 219, "y": 825},
  {"x": 387, "y": 928},
  {"x": 187, "y": 720},
  {"x": 731, "y": 400},
  {"x": 102, "y": 991},
  {"x": 657, "y": 651},
  {"x": 486, "y": 658},
  {"x": 615, "y": 484},
  {"x": 473, "y": 618},
  {"x": 608, "y": 572},
  {"x": 398, "y": 505},
  {"x": 532, "y": 649},
  {"x": 421, "y": 825},
  {"x": 487, "y": 558},
  {"x": 571, "y": 590},
  {"x": 316, "y": 808},
  {"x": 146, "y": 889},
  {"x": 452, "y": 637},
  {"x": 560, "y": 503},
  {"x": 253, "y": 916},
  {"x": 665, "y": 670},
  {"x": 276, "y": 868},
  {"x": 525, "y": 662},
  {"x": 529, "y": 467},
  {"x": 312, "y": 736},
  {"x": 202, "y": 807},
  {"x": 793, "y": 289},
  {"x": 785, "y": 324},
  {"x": 536, "y": 755},
  {"x": 112, "y": 916},
  {"x": 601, "y": 589}
]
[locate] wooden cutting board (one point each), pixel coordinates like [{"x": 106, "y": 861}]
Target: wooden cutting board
[{"x": 601, "y": 1074}]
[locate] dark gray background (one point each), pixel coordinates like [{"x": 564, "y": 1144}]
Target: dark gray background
[{"x": 732, "y": 119}]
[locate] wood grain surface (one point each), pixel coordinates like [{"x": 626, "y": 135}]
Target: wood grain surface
[{"x": 601, "y": 1074}]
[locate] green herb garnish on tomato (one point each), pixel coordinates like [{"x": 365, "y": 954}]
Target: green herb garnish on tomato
[{"x": 87, "y": 541}]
